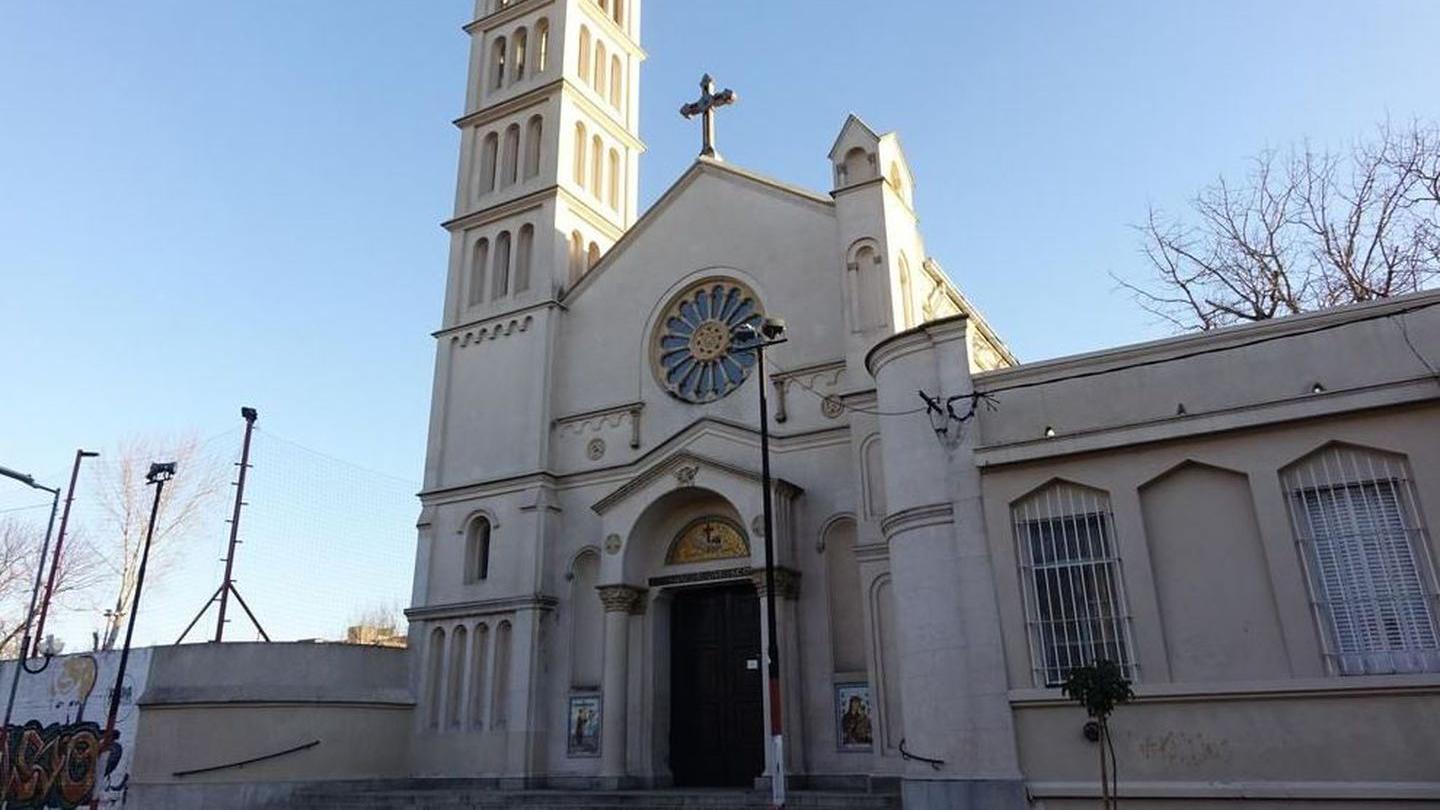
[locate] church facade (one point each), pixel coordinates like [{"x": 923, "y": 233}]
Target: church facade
[{"x": 1239, "y": 519}]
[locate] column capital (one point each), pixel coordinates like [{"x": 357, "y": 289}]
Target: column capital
[
  {"x": 787, "y": 582},
  {"x": 620, "y": 598}
]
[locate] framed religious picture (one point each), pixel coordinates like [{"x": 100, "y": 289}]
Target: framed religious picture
[
  {"x": 853, "y": 724},
  {"x": 582, "y": 732}
]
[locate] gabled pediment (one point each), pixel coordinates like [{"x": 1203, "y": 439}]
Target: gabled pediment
[
  {"x": 687, "y": 469},
  {"x": 854, "y": 132}
]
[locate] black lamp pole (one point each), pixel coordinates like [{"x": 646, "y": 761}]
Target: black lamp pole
[
  {"x": 770, "y": 335},
  {"x": 20, "y": 665}
]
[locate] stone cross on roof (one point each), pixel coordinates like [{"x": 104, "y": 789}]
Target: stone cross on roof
[{"x": 709, "y": 101}]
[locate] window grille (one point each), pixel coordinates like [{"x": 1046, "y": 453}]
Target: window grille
[
  {"x": 1366, "y": 556},
  {"x": 1075, "y": 605}
]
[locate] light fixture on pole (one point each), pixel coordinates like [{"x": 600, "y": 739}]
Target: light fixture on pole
[
  {"x": 770, "y": 333},
  {"x": 20, "y": 663},
  {"x": 80, "y": 455}
]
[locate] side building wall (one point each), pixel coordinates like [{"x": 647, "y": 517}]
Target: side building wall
[{"x": 1177, "y": 487}]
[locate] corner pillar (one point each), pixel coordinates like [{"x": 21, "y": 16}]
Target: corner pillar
[{"x": 619, "y": 602}]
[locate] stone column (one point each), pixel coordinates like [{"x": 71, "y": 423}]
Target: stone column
[
  {"x": 619, "y": 600},
  {"x": 787, "y": 592},
  {"x": 952, "y": 667}
]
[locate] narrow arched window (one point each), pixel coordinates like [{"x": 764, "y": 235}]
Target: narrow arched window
[
  {"x": 534, "y": 132},
  {"x": 619, "y": 13},
  {"x": 542, "y": 45},
  {"x": 500, "y": 286},
  {"x": 594, "y": 256},
  {"x": 510, "y": 156},
  {"x": 477, "y": 550},
  {"x": 601, "y": 60},
  {"x": 597, "y": 165},
  {"x": 489, "y": 155},
  {"x": 497, "y": 64},
  {"x": 614, "y": 179},
  {"x": 478, "y": 259},
  {"x": 523, "y": 251},
  {"x": 857, "y": 166},
  {"x": 580, "y": 147},
  {"x": 577, "y": 256},
  {"x": 617, "y": 82},
  {"x": 521, "y": 40},
  {"x": 584, "y": 54}
]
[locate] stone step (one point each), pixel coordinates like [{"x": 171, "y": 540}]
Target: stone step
[{"x": 355, "y": 797}]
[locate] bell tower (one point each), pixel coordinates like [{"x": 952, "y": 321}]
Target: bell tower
[{"x": 549, "y": 160}]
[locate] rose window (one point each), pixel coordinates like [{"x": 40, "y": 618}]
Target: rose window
[{"x": 704, "y": 347}]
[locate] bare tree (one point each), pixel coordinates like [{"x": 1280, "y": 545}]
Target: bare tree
[
  {"x": 20, "y": 547},
  {"x": 1303, "y": 231},
  {"x": 125, "y": 502}
]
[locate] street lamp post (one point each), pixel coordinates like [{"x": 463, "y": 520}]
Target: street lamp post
[
  {"x": 29, "y": 481},
  {"x": 80, "y": 455},
  {"x": 770, "y": 333}
]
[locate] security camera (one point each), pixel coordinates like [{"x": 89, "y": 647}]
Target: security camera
[{"x": 161, "y": 471}]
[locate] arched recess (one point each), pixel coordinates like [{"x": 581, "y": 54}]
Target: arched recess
[
  {"x": 597, "y": 164},
  {"x": 1217, "y": 607},
  {"x": 521, "y": 45},
  {"x": 617, "y": 82},
  {"x": 907, "y": 297},
  {"x": 885, "y": 641},
  {"x": 618, "y": 13},
  {"x": 1359, "y": 527},
  {"x": 602, "y": 61},
  {"x": 489, "y": 160},
  {"x": 510, "y": 156},
  {"x": 524, "y": 250},
  {"x": 587, "y": 628},
  {"x": 858, "y": 166},
  {"x": 500, "y": 699},
  {"x": 577, "y": 256},
  {"x": 455, "y": 684},
  {"x": 434, "y": 678},
  {"x": 480, "y": 650},
  {"x": 580, "y": 147},
  {"x": 872, "y": 477},
  {"x": 534, "y": 138},
  {"x": 500, "y": 286},
  {"x": 869, "y": 286},
  {"x": 479, "y": 259},
  {"x": 497, "y": 63},
  {"x": 842, "y": 582},
  {"x": 542, "y": 45},
  {"x": 593, "y": 256},
  {"x": 613, "y": 192},
  {"x": 584, "y": 54}
]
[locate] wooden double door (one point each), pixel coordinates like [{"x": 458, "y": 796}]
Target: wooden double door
[{"x": 717, "y": 721}]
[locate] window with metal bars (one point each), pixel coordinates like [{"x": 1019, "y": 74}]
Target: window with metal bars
[
  {"x": 1367, "y": 562},
  {"x": 1075, "y": 606}
]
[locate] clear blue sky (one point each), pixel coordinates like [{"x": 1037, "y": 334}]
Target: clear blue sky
[{"x": 209, "y": 204}]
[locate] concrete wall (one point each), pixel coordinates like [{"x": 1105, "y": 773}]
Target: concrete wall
[
  {"x": 1234, "y": 695},
  {"x": 214, "y": 705}
]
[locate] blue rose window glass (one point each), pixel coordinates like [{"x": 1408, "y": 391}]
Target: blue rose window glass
[{"x": 703, "y": 350}]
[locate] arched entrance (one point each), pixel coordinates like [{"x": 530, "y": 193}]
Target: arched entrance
[{"x": 717, "y": 707}]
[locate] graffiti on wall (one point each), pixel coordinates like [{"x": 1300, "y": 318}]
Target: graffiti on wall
[{"x": 53, "y": 754}]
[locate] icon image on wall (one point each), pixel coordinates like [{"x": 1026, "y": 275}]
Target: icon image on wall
[
  {"x": 583, "y": 732},
  {"x": 852, "y": 716}
]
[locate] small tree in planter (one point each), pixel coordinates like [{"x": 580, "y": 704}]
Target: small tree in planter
[{"x": 1100, "y": 687}]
